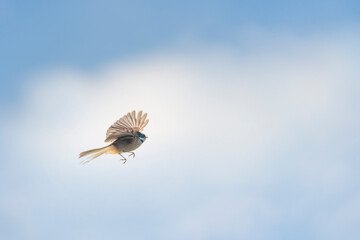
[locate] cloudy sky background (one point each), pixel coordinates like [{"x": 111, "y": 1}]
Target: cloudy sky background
[{"x": 254, "y": 119}]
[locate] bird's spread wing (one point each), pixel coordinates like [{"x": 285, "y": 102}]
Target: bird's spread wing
[{"x": 128, "y": 124}]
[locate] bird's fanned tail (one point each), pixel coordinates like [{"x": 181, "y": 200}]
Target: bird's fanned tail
[{"x": 97, "y": 152}]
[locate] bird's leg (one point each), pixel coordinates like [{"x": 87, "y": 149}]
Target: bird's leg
[
  {"x": 123, "y": 158},
  {"x": 132, "y": 154}
]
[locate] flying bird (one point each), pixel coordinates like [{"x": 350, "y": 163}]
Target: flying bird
[{"x": 125, "y": 134}]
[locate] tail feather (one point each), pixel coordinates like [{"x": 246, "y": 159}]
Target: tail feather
[{"x": 94, "y": 153}]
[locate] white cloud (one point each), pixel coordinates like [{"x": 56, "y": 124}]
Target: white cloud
[{"x": 245, "y": 131}]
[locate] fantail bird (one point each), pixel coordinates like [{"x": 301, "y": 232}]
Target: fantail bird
[{"x": 125, "y": 134}]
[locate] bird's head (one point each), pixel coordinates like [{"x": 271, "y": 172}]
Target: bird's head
[{"x": 141, "y": 136}]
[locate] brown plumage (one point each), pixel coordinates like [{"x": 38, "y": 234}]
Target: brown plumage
[
  {"x": 129, "y": 123},
  {"x": 125, "y": 135}
]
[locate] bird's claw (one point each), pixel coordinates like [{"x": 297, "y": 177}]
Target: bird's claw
[
  {"x": 123, "y": 159},
  {"x": 132, "y": 154}
]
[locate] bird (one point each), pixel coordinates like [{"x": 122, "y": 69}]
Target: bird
[{"x": 125, "y": 134}]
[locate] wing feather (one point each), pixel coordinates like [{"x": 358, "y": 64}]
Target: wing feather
[
  {"x": 145, "y": 123},
  {"x": 138, "y": 118},
  {"x": 142, "y": 123},
  {"x": 129, "y": 117},
  {"x": 143, "y": 119},
  {"x": 133, "y": 118},
  {"x": 127, "y": 125},
  {"x": 125, "y": 121}
]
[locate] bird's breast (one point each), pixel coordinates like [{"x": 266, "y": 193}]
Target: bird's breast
[{"x": 127, "y": 146}]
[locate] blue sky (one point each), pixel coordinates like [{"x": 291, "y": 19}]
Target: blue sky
[
  {"x": 38, "y": 35},
  {"x": 254, "y": 119}
]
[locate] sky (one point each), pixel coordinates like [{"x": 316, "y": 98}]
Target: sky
[{"x": 253, "y": 108}]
